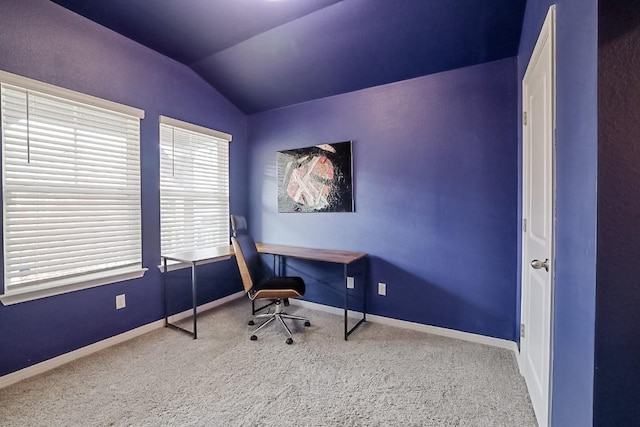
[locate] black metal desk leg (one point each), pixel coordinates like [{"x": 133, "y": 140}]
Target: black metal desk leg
[
  {"x": 195, "y": 300},
  {"x": 274, "y": 264},
  {"x": 348, "y": 331},
  {"x": 164, "y": 285},
  {"x": 364, "y": 288},
  {"x": 346, "y": 303}
]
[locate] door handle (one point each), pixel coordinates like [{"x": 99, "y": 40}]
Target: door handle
[{"x": 537, "y": 264}]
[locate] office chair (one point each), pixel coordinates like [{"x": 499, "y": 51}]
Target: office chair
[
  {"x": 260, "y": 285},
  {"x": 238, "y": 225}
]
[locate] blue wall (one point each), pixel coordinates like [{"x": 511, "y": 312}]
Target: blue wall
[
  {"x": 617, "y": 350},
  {"x": 41, "y": 40},
  {"x": 435, "y": 178},
  {"x": 576, "y": 179}
]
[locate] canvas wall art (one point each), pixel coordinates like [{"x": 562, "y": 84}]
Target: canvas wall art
[{"x": 316, "y": 179}]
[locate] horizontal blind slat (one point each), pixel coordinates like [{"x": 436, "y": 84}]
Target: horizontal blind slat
[
  {"x": 194, "y": 195},
  {"x": 71, "y": 175},
  {"x": 36, "y": 258}
]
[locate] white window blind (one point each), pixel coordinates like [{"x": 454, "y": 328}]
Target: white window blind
[
  {"x": 71, "y": 190},
  {"x": 194, "y": 187}
]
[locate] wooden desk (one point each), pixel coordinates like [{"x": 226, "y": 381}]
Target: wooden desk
[
  {"x": 202, "y": 256},
  {"x": 199, "y": 256},
  {"x": 324, "y": 255}
]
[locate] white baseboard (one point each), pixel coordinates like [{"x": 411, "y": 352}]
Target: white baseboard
[
  {"x": 55, "y": 362},
  {"x": 326, "y": 308},
  {"x": 435, "y": 330},
  {"x": 204, "y": 307}
]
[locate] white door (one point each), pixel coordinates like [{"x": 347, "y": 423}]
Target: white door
[{"x": 538, "y": 96}]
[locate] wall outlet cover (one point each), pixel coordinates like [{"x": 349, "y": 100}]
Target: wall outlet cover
[
  {"x": 121, "y": 301},
  {"x": 351, "y": 283},
  {"x": 382, "y": 288}
]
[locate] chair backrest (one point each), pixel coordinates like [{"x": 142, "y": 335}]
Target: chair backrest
[
  {"x": 249, "y": 261},
  {"x": 239, "y": 225}
]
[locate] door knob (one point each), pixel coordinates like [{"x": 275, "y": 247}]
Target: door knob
[{"x": 537, "y": 264}]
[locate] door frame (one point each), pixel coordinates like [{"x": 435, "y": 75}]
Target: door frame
[{"x": 548, "y": 32}]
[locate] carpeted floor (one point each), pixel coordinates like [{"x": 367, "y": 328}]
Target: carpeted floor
[{"x": 382, "y": 376}]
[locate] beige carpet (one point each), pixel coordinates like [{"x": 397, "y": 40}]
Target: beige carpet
[{"x": 382, "y": 376}]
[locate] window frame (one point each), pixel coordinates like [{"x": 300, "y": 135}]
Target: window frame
[
  {"x": 220, "y": 136},
  {"x": 61, "y": 285}
]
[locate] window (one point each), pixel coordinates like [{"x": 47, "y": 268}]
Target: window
[
  {"x": 71, "y": 190},
  {"x": 194, "y": 187}
]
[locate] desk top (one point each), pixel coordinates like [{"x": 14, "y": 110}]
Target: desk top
[
  {"x": 325, "y": 255},
  {"x": 200, "y": 255},
  {"x": 225, "y": 252}
]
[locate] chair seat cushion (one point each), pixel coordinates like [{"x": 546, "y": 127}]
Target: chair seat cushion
[{"x": 280, "y": 287}]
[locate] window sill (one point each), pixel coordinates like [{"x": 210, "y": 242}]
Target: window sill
[{"x": 64, "y": 286}]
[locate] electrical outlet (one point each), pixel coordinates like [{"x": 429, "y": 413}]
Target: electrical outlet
[
  {"x": 351, "y": 283},
  {"x": 382, "y": 288},
  {"x": 121, "y": 302}
]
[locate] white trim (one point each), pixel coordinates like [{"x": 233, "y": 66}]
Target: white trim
[
  {"x": 434, "y": 330},
  {"x": 58, "y": 361},
  {"x": 195, "y": 128},
  {"x": 38, "y": 86},
  {"x": 58, "y": 287},
  {"x": 204, "y": 307},
  {"x": 326, "y": 308},
  {"x": 444, "y": 332},
  {"x": 547, "y": 36}
]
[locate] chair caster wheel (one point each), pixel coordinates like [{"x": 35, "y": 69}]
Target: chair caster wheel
[
  {"x": 251, "y": 323},
  {"x": 307, "y": 323},
  {"x": 289, "y": 340},
  {"x": 253, "y": 338}
]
